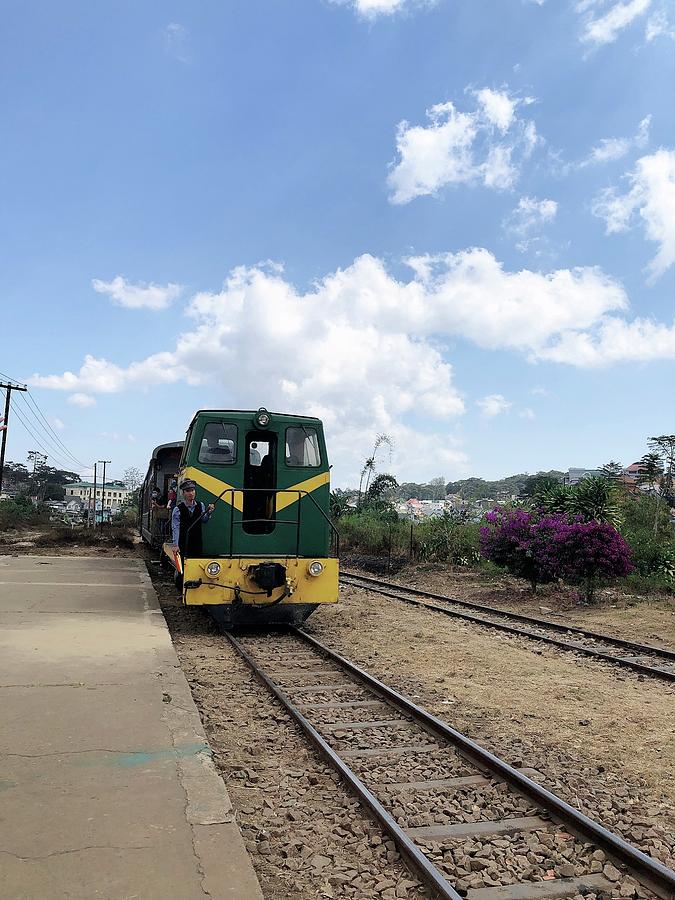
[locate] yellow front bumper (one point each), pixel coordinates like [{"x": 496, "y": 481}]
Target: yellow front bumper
[{"x": 301, "y": 586}]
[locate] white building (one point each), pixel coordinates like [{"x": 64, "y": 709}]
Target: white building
[{"x": 115, "y": 493}]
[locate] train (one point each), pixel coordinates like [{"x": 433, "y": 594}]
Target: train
[{"x": 268, "y": 553}]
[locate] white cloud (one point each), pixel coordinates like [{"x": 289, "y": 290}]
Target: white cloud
[
  {"x": 353, "y": 312},
  {"x": 57, "y": 423},
  {"x": 175, "y": 38},
  {"x": 615, "y": 340},
  {"x": 613, "y": 17},
  {"x": 610, "y": 149},
  {"x": 371, "y": 9},
  {"x": 494, "y": 405},
  {"x": 137, "y": 296},
  {"x": 527, "y": 413},
  {"x": 529, "y": 217},
  {"x": 652, "y": 196},
  {"x": 371, "y": 357},
  {"x": 359, "y": 326},
  {"x": 80, "y": 399},
  {"x": 486, "y": 145},
  {"x": 658, "y": 25},
  {"x": 540, "y": 392}
]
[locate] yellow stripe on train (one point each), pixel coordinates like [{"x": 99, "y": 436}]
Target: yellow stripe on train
[{"x": 235, "y": 496}]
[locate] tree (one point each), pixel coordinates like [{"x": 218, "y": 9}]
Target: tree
[
  {"x": 132, "y": 478},
  {"x": 519, "y": 541},
  {"x": 339, "y": 505},
  {"x": 664, "y": 445},
  {"x": 591, "y": 551},
  {"x": 651, "y": 473},
  {"x": 590, "y": 499},
  {"x": 553, "y": 497},
  {"x": 537, "y": 484},
  {"x": 612, "y": 470},
  {"x": 437, "y": 486},
  {"x": 381, "y": 492},
  {"x": 368, "y": 469},
  {"x": 594, "y": 499}
]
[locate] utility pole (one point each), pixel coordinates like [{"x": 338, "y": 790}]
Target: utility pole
[
  {"x": 5, "y": 422},
  {"x": 94, "y": 516},
  {"x": 104, "y": 462}
]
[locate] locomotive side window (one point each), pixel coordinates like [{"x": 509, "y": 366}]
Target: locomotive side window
[
  {"x": 219, "y": 444},
  {"x": 302, "y": 447}
]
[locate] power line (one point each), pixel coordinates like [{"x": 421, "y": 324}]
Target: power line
[
  {"x": 49, "y": 429},
  {"x": 9, "y": 378},
  {"x": 57, "y": 440},
  {"x": 72, "y": 455},
  {"x": 44, "y": 435},
  {"x": 31, "y": 434}
]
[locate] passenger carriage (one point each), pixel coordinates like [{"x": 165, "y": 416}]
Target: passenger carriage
[{"x": 162, "y": 469}]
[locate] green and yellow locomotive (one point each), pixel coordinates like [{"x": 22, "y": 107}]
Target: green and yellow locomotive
[{"x": 268, "y": 552}]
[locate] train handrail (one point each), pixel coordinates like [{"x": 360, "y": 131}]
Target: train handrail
[{"x": 335, "y": 535}]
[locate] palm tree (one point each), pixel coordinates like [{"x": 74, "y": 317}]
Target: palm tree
[
  {"x": 595, "y": 499},
  {"x": 591, "y": 499},
  {"x": 553, "y": 496},
  {"x": 368, "y": 469},
  {"x": 338, "y": 503}
]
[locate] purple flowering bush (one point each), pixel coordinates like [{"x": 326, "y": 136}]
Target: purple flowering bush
[
  {"x": 519, "y": 541},
  {"x": 590, "y": 552},
  {"x": 543, "y": 547}
]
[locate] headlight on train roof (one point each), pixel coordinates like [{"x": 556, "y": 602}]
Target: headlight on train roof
[
  {"x": 262, "y": 417},
  {"x": 213, "y": 569},
  {"x": 315, "y": 568}
]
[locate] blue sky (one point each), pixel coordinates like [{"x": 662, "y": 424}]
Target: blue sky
[{"x": 452, "y": 222}]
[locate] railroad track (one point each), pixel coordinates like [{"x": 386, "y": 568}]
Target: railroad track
[
  {"x": 643, "y": 658},
  {"x": 458, "y": 814}
]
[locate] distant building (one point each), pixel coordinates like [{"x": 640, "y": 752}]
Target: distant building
[
  {"x": 574, "y": 476},
  {"x": 115, "y": 493},
  {"x": 634, "y": 471}
]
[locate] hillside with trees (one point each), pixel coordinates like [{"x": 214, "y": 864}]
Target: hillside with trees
[{"x": 521, "y": 485}]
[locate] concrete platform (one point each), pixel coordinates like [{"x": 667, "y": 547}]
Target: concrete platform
[{"x": 107, "y": 787}]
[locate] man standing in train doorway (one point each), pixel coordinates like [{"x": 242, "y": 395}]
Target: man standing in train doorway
[{"x": 186, "y": 521}]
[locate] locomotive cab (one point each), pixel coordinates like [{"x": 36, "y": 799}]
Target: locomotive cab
[{"x": 269, "y": 551}]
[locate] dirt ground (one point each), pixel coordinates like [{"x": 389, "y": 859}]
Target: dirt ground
[
  {"x": 48, "y": 542},
  {"x": 650, "y": 619}
]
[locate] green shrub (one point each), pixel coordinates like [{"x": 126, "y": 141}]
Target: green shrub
[
  {"x": 445, "y": 539},
  {"x": 19, "y": 513},
  {"x": 372, "y": 533},
  {"x": 653, "y": 551}
]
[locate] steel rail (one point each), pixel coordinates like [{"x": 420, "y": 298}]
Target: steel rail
[
  {"x": 558, "y": 626},
  {"x": 376, "y": 586},
  {"x": 423, "y": 867},
  {"x": 657, "y": 876}
]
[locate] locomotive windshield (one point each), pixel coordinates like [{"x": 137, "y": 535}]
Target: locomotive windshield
[
  {"x": 219, "y": 443},
  {"x": 302, "y": 447}
]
